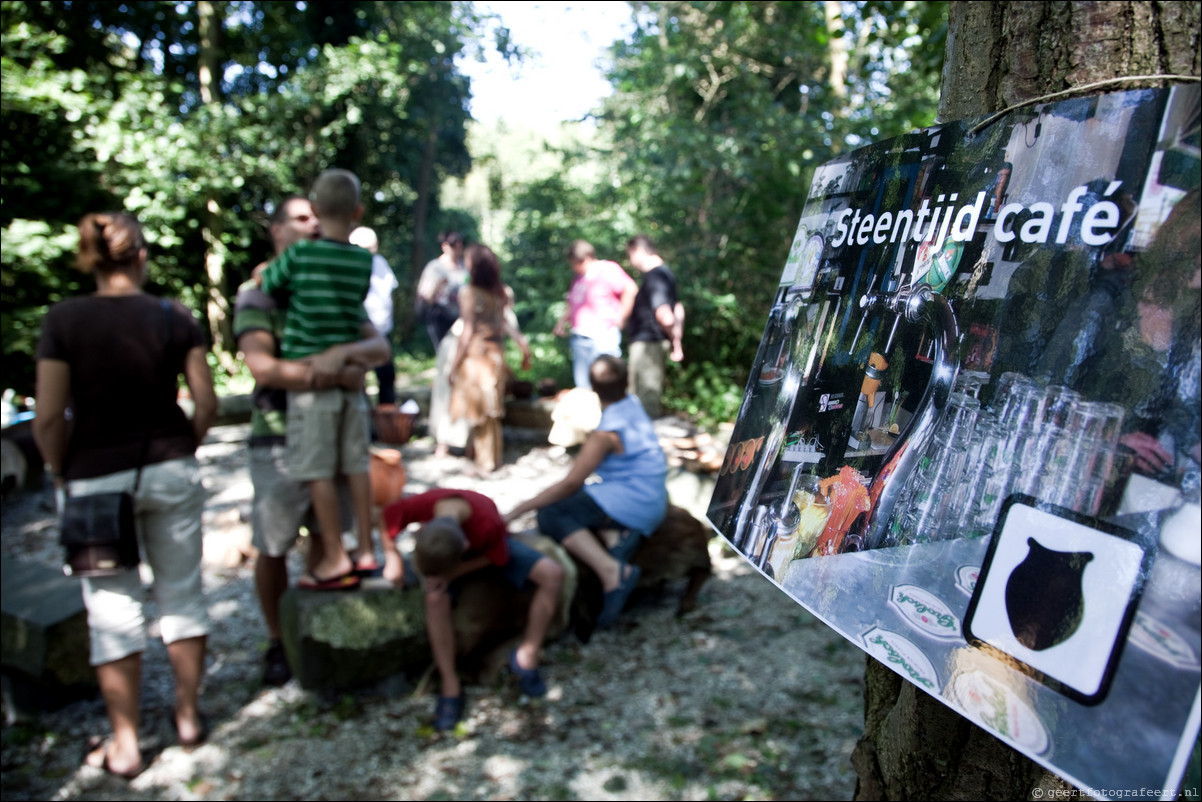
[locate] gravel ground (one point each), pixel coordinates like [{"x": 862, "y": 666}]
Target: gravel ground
[{"x": 747, "y": 697}]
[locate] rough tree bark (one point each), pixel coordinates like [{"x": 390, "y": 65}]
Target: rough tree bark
[
  {"x": 209, "y": 25},
  {"x": 998, "y": 54},
  {"x": 421, "y": 207}
]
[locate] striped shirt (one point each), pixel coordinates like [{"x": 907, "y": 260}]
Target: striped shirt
[{"x": 322, "y": 283}]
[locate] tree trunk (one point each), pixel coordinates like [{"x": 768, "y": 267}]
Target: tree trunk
[
  {"x": 421, "y": 207},
  {"x": 421, "y": 214},
  {"x": 837, "y": 48},
  {"x": 998, "y": 54},
  {"x": 208, "y": 74},
  {"x": 1003, "y": 53}
]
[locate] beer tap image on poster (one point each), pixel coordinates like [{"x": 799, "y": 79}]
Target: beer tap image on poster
[{"x": 972, "y": 314}]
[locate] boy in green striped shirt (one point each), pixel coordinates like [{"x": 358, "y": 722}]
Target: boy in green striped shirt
[{"x": 322, "y": 283}]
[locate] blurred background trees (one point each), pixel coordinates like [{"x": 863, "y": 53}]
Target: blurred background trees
[
  {"x": 197, "y": 116},
  {"x": 720, "y": 113}
]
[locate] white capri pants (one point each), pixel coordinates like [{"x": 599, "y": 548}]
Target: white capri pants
[{"x": 168, "y": 506}]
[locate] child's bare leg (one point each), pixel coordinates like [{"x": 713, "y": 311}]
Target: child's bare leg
[
  {"x": 394, "y": 564},
  {"x": 547, "y": 576},
  {"x": 333, "y": 561},
  {"x": 609, "y": 537},
  {"x": 316, "y": 548},
  {"x": 586, "y": 548},
  {"x": 359, "y": 485},
  {"x": 442, "y": 638}
]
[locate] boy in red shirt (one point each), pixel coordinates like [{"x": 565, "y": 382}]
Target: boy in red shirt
[{"x": 463, "y": 532}]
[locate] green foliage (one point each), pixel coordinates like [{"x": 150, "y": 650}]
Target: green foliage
[
  {"x": 720, "y": 112},
  {"x": 240, "y": 382},
  {"x": 106, "y": 105},
  {"x": 410, "y": 363}
]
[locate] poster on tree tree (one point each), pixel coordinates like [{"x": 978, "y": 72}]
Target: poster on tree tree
[{"x": 970, "y": 438}]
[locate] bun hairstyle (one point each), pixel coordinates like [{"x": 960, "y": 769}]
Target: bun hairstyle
[{"x": 109, "y": 241}]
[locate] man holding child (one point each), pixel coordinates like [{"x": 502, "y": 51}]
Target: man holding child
[
  {"x": 281, "y": 503},
  {"x": 324, "y": 283}
]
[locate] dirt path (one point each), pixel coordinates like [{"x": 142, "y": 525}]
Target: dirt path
[{"x": 747, "y": 697}]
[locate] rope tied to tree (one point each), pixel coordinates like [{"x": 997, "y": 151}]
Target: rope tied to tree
[{"x": 1077, "y": 90}]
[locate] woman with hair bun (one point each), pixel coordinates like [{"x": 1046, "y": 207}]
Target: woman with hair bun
[{"x": 113, "y": 359}]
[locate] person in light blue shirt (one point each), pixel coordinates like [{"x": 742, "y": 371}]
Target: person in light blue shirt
[{"x": 632, "y": 495}]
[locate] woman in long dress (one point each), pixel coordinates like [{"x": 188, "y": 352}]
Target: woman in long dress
[{"x": 479, "y": 372}]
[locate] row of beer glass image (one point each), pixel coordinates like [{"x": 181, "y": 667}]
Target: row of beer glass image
[{"x": 1042, "y": 440}]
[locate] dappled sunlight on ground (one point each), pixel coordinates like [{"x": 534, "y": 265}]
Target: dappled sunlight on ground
[{"x": 746, "y": 697}]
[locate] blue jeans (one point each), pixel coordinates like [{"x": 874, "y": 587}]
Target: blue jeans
[
  {"x": 570, "y": 515},
  {"x": 587, "y": 349},
  {"x": 522, "y": 559}
]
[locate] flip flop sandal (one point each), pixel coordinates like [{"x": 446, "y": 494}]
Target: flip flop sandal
[
  {"x": 97, "y": 742},
  {"x": 201, "y": 736},
  {"x": 128, "y": 776},
  {"x": 372, "y": 569},
  {"x": 347, "y": 581}
]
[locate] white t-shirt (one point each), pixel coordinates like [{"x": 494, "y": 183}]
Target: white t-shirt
[{"x": 378, "y": 302}]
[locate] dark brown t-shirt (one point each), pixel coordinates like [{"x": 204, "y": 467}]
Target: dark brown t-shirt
[{"x": 124, "y": 379}]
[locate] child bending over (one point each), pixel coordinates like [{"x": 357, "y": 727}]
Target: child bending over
[{"x": 463, "y": 532}]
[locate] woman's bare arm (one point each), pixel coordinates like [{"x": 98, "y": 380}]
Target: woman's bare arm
[
  {"x": 595, "y": 448},
  {"x": 50, "y": 424},
  {"x": 200, "y": 384}
]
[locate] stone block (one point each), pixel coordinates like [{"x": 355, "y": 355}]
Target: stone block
[
  {"x": 22, "y": 462},
  {"x": 337, "y": 639},
  {"x": 43, "y": 638}
]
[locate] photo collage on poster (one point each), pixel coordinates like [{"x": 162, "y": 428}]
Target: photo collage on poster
[{"x": 970, "y": 438}]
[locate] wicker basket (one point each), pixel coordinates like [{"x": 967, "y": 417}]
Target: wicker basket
[{"x": 393, "y": 426}]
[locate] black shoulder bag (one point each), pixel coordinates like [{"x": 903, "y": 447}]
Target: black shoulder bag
[{"x": 99, "y": 532}]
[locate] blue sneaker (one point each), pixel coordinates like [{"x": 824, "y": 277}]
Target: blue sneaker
[
  {"x": 529, "y": 679},
  {"x": 448, "y": 712},
  {"x": 615, "y": 599}
]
